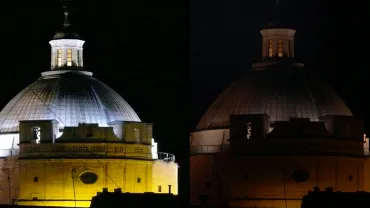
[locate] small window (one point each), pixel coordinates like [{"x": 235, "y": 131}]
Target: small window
[
  {"x": 208, "y": 185},
  {"x": 248, "y": 130},
  {"x": 35, "y": 179},
  {"x": 69, "y": 57},
  {"x": 350, "y": 178},
  {"x": 159, "y": 188},
  {"x": 36, "y": 135},
  {"x": 299, "y": 175},
  {"x": 88, "y": 178},
  {"x": 138, "y": 180},
  {"x": 270, "y": 48}
]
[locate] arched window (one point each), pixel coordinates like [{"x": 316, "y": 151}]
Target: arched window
[{"x": 36, "y": 135}]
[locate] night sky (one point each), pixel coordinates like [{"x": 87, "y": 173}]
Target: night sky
[
  {"x": 141, "y": 50},
  {"x": 331, "y": 39}
]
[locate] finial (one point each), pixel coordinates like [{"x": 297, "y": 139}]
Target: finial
[{"x": 66, "y": 21}]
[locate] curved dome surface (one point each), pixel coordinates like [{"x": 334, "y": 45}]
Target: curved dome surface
[
  {"x": 282, "y": 92},
  {"x": 68, "y": 97},
  {"x": 66, "y": 33}
]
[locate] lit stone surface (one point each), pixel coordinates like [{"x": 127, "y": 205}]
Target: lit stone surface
[
  {"x": 9, "y": 179},
  {"x": 48, "y": 173},
  {"x": 57, "y": 185}
]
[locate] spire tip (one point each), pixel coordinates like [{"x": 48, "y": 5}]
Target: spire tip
[{"x": 66, "y": 21}]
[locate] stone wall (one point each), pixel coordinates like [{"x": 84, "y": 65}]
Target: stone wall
[
  {"x": 262, "y": 181},
  {"x": 57, "y": 182},
  {"x": 9, "y": 167}
]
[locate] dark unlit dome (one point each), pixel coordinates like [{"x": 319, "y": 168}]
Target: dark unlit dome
[
  {"x": 69, "y": 97},
  {"x": 282, "y": 92},
  {"x": 66, "y": 33},
  {"x": 277, "y": 25}
]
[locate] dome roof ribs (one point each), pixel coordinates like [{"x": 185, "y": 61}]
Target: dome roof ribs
[
  {"x": 281, "y": 92},
  {"x": 71, "y": 98},
  {"x": 44, "y": 104}
]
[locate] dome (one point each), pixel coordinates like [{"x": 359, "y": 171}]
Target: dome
[
  {"x": 277, "y": 25},
  {"x": 66, "y": 33},
  {"x": 70, "y": 97},
  {"x": 281, "y": 91}
]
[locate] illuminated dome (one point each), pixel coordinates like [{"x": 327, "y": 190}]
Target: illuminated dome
[
  {"x": 70, "y": 97},
  {"x": 281, "y": 91},
  {"x": 66, "y": 93}
]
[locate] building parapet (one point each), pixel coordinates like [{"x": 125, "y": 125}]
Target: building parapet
[
  {"x": 167, "y": 157},
  {"x": 78, "y": 150},
  {"x": 68, "y": 150},
  {"x": 289, "y": 146},
  {"x": 209, "y": 149}
]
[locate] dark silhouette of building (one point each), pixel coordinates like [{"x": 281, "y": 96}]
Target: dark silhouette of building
[
  {"x": 330, "y": 199},
  {"x": 117, "y": 199}
]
